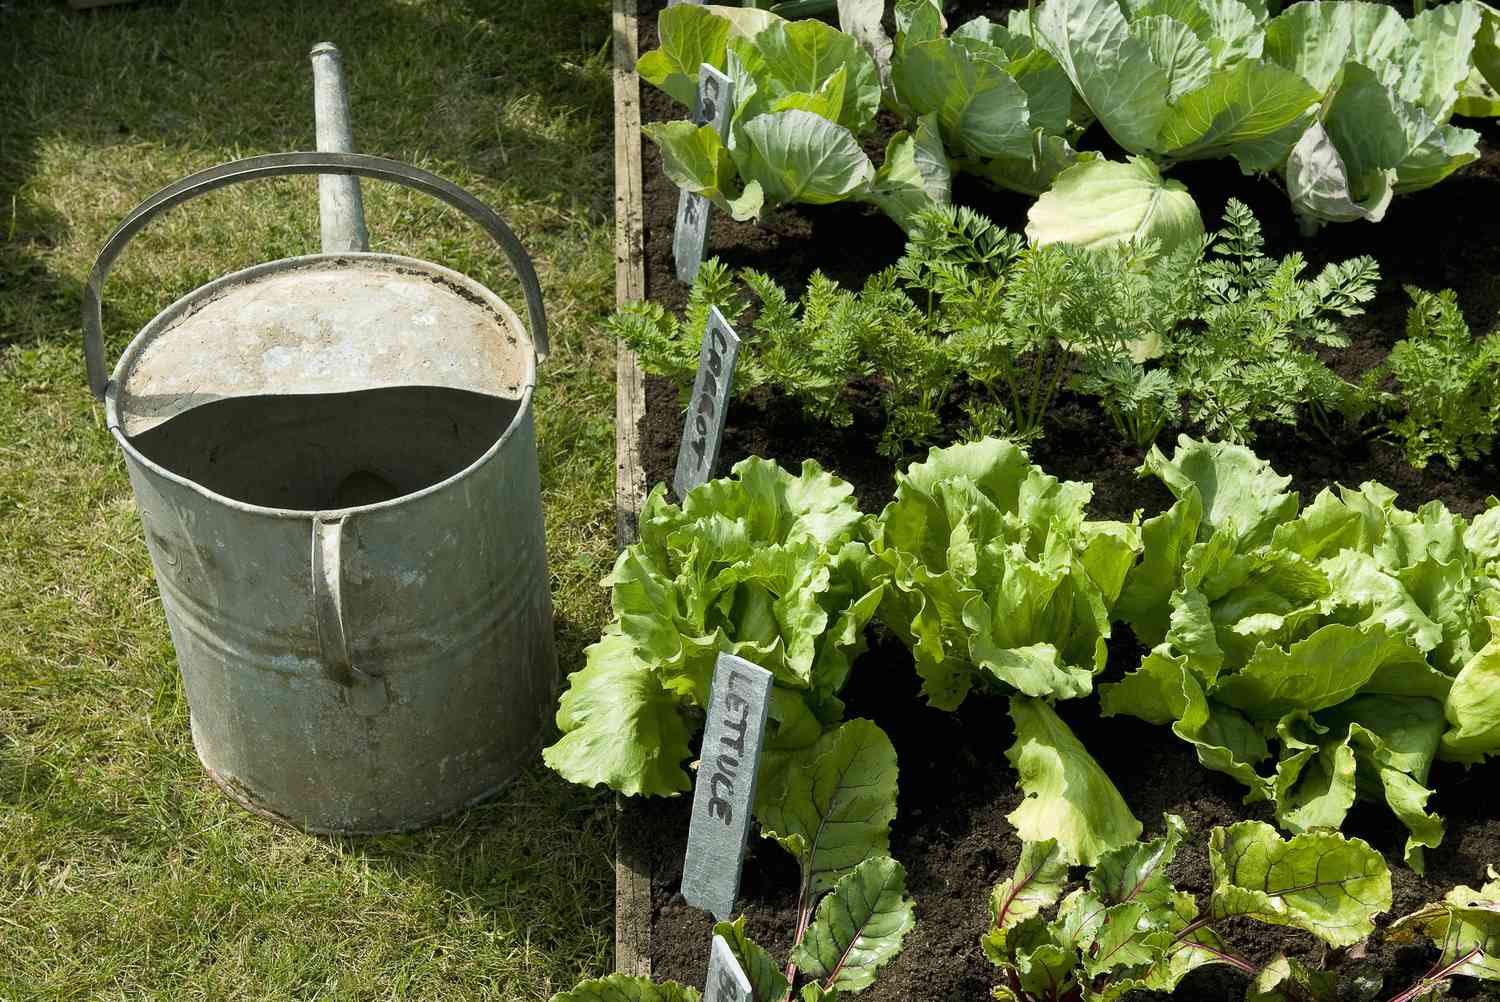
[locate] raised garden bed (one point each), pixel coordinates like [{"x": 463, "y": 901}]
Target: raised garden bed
[{"x": 956, "y": 786}]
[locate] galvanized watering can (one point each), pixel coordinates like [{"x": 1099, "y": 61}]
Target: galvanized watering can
[{"x": 335, "y": 465}]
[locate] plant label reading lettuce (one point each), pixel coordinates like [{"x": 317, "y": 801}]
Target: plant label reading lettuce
[
  {"x": 714, "y": 105},
  {"x": 729, "y": 764},
  {"x": 727, "y": 981},
  {"x": 708, "y": 407}
]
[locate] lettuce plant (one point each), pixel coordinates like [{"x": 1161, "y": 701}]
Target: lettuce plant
[
  {"x": 1335, "y": 634},
  {"x": 762, "y": 564},
  {"x": 994, "y": 578},
  {"x": 804, "y": 95},
  {"x": 831, "y": 807},
  {"x": 1129, "y": 929}
]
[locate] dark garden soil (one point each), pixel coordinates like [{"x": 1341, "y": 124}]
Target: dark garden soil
[{"x": 955, "y": 785}]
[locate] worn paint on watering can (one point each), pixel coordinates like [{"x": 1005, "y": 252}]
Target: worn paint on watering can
[{"x": 335, "y": 465}]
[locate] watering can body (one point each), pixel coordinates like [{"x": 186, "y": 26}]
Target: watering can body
[{"x": 334, "y": 459}]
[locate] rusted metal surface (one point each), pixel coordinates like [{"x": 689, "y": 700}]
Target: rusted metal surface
[{"x": 335, "y": 464}]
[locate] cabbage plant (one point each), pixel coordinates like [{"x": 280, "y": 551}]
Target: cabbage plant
[
  {"x": 1003, "y": 107},
  {"x": 804, "y": 95},
  {"x": 1348, "y": 101}
]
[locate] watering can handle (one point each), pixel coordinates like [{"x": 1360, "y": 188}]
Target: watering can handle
[{"x": 275, "y": 165}]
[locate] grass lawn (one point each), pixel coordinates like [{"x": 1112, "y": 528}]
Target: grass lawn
[{"x": 123, "y": 872}]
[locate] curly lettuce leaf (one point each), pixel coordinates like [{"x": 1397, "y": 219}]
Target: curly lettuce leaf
[
  {"x": 993, "y": 576},
  {"x": 763, "y": 564},
  {"x": 1472, "y": 708},
  {"x": 619, "y": 726},
  {"x": 1068, "y": 796}
]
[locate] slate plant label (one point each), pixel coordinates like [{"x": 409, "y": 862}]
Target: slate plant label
[
  {"x": 708, "y": 407},
  {"x": 715, "y": 102},
  {"x": 727, "y": 981},
  {"x": 729, "y": 764}
]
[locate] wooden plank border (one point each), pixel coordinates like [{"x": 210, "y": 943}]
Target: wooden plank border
[{"x": 632, "y": 862}]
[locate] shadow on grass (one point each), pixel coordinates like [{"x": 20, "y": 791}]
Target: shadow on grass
[
  {"x": 495, "y": 89},
  {"x": 488, "y": 858}
]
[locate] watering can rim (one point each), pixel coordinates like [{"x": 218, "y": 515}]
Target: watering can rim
[
  {"x": 281, "y": 164},
  {"x": 171, "y": 314}
]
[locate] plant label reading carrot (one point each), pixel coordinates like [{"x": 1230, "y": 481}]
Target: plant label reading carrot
[
  {"x": 727, "y": 981},
  {"x": 724, "y": 793},
  {"x": 713, "y": 106},
  {"x": 708, "y": 407}
]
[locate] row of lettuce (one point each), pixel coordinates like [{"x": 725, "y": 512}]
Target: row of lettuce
[
  {"x": 1124, "y": 928},
  {"x": 1320, "y": 654},
  {"x": 1346, "y": 103}
]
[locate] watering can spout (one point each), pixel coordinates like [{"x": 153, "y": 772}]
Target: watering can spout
[{"x": 341, "y": 207}]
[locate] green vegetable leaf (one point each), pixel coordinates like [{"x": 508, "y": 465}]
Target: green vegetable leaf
[
  {"x": 1164, "y": 690},
  {"x": 801, "y": 56},
  {"x": 1254, "y": 112},
  {"x": 1068, "y": 796},
  {"x": 767, "y": 982},
  {"x": 1176, "y": 49},
  {"x": 1321, "y": 186},
  {"x": 1286, "y": 979},
  {"x": 1113, "y": 70},
  {"x": 1465, "y": 926},
  {"x": 697, "y": 161},
  {"x": 1473, "y": 706},
  {"x": 858, "y": 927},
  {"x": 625, "y": 988},
  {"x": 1320, "y": 882},
  {"x": 1100, "y": 202},
  {"x": 994, "y": 575},
  {"x": 798, "y": 156},
  {"x": 1036, "y": 883},
  {"x": 915, "y": 176},
  {"x": 1165, "y": 541},
  {"x": 691, "y": 35},
  {"x": 832, "y": 807},
  {"x": 980, "y": 108},
  {"x": 1138, "y": 872},
  {"x": 1240, "y": 493},
  {"x": 620, "y": 727},
  {"x": 1325, "y": 669}
]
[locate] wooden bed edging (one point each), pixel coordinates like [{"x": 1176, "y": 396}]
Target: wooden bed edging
[{"x": 632, "y": 863}]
